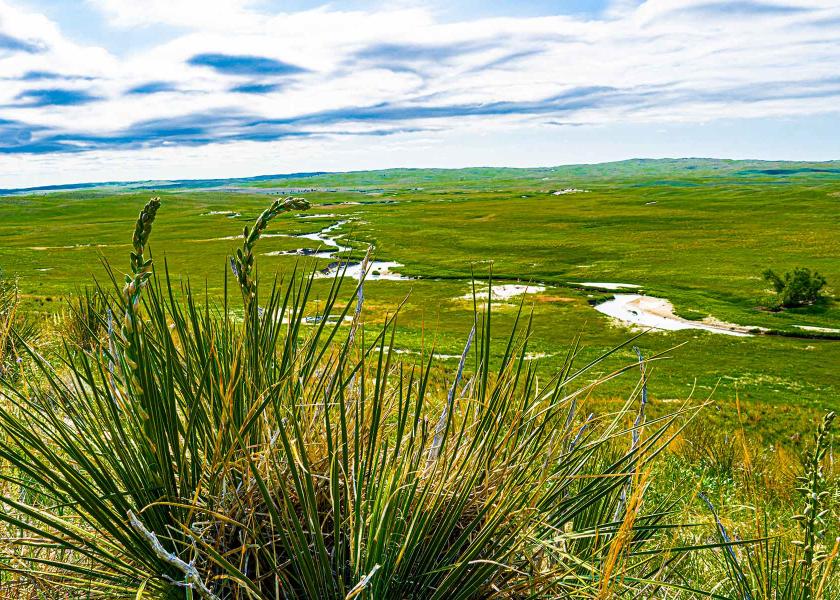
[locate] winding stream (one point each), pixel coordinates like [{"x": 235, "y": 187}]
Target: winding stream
[
  {"x": 629, "y": 308},
  {"x": 377, "y": 269},
  {"x": 658, "y": 313}
]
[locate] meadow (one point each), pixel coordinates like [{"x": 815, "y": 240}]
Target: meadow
[
  {"x": 204, "y": 410},
  {"x": 697, "y": 233}
]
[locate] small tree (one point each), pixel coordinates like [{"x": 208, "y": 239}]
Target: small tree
[{"x": 798, "y": 288}]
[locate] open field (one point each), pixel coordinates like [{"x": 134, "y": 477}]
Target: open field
[
  {"x": 289, "y": 449},
  {"x": 697, "y": 233}
]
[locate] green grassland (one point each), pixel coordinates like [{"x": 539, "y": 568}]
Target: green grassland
[{"x": 696, "y": 232}]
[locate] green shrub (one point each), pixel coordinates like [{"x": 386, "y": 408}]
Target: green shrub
[{"x": 798, "y": 288}]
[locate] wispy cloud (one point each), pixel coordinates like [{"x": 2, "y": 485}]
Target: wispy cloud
[
  {"x": 743, "y": 8},
  {"x": 54, "y": 97},
  {"x": 572, "y": 100},
  {"x": 152, "y": 87},
  {"x": 52, "y": 76},
  {"x": 231, "y": 64},
  {"x": 13, "y": 44},
  {"x": 249, "y": 72},
  {"x": 508, "y": 59},
  {"x": 230, "y": 124},
  {"x": 14, "y": 134},
  {"x": 193, "y": 129},
  {"x": 41, "y": 76},
  {"x": 256, "y": 88},
  {"x": 417, "y": 53}
]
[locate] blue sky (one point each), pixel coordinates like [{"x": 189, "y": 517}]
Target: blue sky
[{"x": 130, "y": 89}]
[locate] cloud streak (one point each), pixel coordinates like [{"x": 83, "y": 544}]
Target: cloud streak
[
  {"x": 256, "y": 88},
  {"x": 10, "y": 43},
  {"x": 151, "y": 87},
  {"x": 195, "y": 129},
  {"x": 54, "y": 97},
  {"x": 743, "y": 8},
  {"x": 404, "y": 53},
  {"x": 231, "y": 64}
]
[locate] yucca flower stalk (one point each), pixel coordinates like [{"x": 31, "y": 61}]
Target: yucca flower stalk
[
  {"x": 243, "y": 262},
  {"x": 812, "y": 519},
  {"x": 135, "y": 281}
]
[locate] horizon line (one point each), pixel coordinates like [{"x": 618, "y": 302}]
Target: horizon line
[{"x": 316, "y": 173}]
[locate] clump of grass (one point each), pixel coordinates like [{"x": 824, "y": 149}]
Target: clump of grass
[
  {"x": 15, "y": 329},
  {"x": 85, "y": 323},
  {"x": 781, "y": 565},
  {"x": 199, "y": 454}
]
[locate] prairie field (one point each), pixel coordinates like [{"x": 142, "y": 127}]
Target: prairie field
[
  {"x": 221, "y": 407},
  {"x": 697, "y": 233}
]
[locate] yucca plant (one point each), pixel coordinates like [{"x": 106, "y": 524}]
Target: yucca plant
[{"x": 205, "y": 451}]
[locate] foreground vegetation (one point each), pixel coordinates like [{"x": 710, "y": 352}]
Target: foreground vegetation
[{"x": 265, "y": 446}]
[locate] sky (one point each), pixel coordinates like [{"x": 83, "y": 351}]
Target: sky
[{"x": 107, "y": 90}]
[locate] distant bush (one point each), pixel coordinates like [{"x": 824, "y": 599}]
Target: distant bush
[{"x": 798, "y": 288}]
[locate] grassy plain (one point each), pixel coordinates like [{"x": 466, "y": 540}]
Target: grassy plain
[
  {"x": 81, "y": 447},
  {"x": 698, "y": 233}
]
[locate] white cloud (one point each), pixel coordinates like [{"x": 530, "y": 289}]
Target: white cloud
[
  {"x": 193, "y": 14},
  {"x": 402, "y": 68}
]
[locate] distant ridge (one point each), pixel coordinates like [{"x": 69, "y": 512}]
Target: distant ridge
[
  {"x": 635, "y": 166},
  {"x": 158, "y": 184}
]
